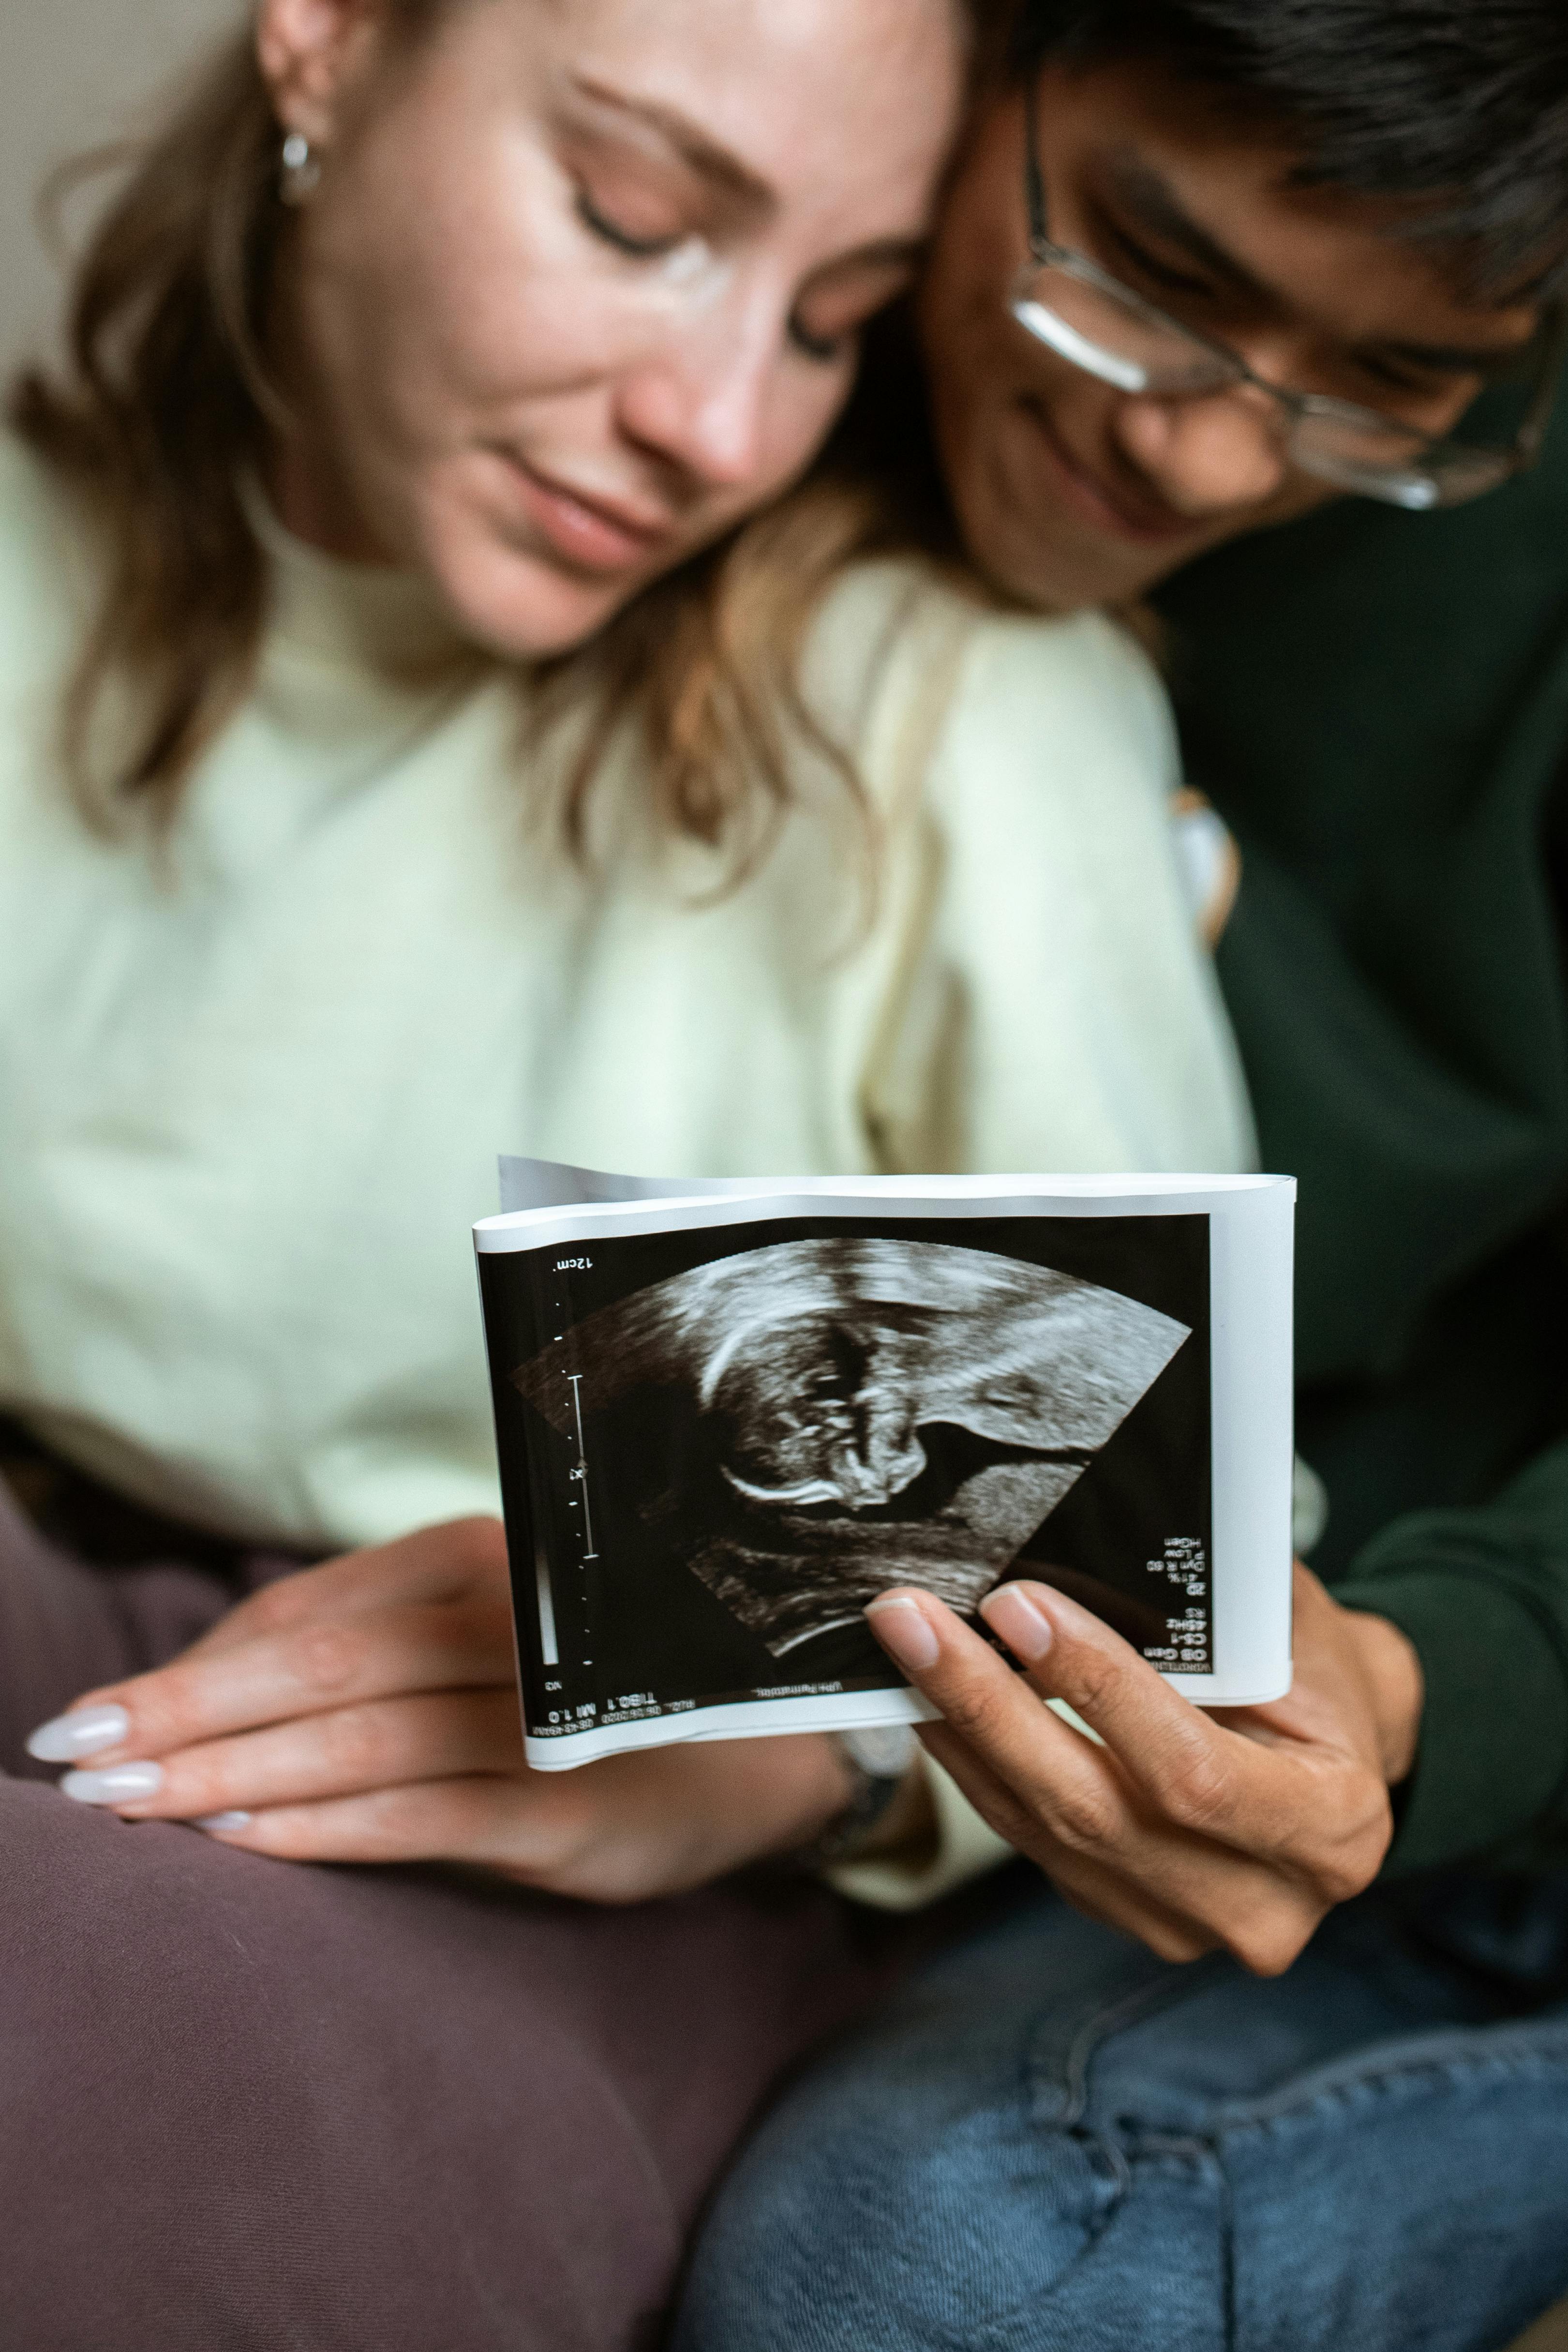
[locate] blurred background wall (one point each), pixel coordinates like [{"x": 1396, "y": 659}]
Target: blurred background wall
[{"x": 72, "y": 73}]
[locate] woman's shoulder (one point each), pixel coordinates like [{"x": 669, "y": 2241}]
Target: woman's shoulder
[
  {"x": 32, "y": 503},
  {"x": 42, "y": 561},
  {"x": 1060, "y": 704}
]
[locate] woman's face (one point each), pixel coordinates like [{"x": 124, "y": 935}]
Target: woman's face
[{"x": 581, "y": 280}]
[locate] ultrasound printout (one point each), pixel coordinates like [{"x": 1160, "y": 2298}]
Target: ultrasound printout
[{"x": 723, "y": 1442}]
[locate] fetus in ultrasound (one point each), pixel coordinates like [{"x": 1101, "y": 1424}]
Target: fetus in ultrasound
[{"x": 810, "y": 1422}]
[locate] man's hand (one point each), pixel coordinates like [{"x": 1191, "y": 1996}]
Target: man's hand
[
  {"x": 1234, "y": 1830},
  {"x": 367, "y": 1711}
]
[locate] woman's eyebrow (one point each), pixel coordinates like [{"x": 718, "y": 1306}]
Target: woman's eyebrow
[{"x": 696, "y": 146}]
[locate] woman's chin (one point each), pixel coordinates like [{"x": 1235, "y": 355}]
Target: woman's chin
[{"x": 522, "y": 607}]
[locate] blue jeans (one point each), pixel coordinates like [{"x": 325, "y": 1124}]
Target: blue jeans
[{"x": 1053, "y": 2142}]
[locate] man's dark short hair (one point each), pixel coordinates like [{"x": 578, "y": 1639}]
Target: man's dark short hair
[{"x": 1457, "y": 108}]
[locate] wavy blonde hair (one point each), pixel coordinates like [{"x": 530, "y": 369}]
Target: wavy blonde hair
[{"x": 164, "y": 409}]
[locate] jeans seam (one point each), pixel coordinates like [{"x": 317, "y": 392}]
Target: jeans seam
[
  {"x": 998, "y": 2336},
  {"x": 1144, "y": 2000},
  {"x": 1438, "y": 2058},
  {"x": 1071, "y": 2085}
]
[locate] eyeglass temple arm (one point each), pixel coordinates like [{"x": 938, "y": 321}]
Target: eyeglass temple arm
[{"x": 1034, "y": 174}]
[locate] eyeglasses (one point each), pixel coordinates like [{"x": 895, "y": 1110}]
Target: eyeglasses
[{"x": 1089, "y": 319}]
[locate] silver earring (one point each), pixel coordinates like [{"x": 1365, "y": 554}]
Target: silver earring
[{"x": 300, "y": 170}]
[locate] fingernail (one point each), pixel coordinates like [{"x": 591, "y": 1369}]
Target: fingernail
[
  {"x": 81, "y": 1734},
  {"x": 123, "y": 1784},
  {"x": 217, "y": 1823},
  {"x": 1026, "y": 1629},
  {"x": 902, "y": 1629}
]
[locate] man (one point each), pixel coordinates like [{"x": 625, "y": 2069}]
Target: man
[{"x": 1207, "y": 265}]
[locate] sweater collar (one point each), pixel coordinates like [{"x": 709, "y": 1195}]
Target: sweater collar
[{"x": 359, "y": 616}]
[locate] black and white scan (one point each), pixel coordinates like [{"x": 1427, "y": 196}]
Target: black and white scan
[
  {"x": 736, "y": 1437},
  {"x": 850, "y": 1415}
]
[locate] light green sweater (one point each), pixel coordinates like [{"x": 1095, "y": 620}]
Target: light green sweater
[{"x": 255, "y": 1075}]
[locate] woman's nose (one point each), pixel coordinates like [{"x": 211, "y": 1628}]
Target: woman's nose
[
  {"x": 1207, "y": 456},
  {"x": 700, "y": 403}
]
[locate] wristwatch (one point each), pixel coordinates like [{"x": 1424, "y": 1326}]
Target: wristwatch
[{"x": 878, "y": 1763}]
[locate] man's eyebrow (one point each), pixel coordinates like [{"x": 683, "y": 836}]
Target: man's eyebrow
[
  {"x": 1460, "y": 358},
  {"x": 695, "y": 145},
  {"x": 1156, "y": 207}
]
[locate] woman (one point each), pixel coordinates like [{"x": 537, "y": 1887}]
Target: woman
[{"x": 447, "y": 770}]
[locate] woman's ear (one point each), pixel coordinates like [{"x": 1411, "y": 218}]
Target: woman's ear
[{"x": 309, "y": 52}]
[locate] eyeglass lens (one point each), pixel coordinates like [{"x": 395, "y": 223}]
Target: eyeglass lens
[{"x": 1113, "y": 335}]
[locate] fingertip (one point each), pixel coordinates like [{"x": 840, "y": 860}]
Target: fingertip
[
  {"x": 1066, "y": 1617},
  {"x": 116, "y": 1787},
  {"x": 900, "y": 1625},
  {"x": 1013, "y": 1611},
  {"x": 90, "y": 1729}
]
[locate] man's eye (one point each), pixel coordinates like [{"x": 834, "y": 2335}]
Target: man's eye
[
  {"x": 623, "y": 240},
  {"x": 1405, "y": 386},
  {"x": 1159, "y": 273}
]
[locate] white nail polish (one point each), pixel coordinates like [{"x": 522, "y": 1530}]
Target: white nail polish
[
  {"x": 123, "y": 1784},
  {"x": 219, "y": 1822},
  {"x": 85, "y": 1732}
]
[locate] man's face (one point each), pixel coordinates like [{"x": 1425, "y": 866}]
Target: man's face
[{"x": 1069, "y": 492}]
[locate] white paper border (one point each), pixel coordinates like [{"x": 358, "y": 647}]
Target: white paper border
[{"x": 1251, "y": 1222}]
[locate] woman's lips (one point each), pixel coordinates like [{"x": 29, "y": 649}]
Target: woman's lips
[
  {"x": 591, "y": 533},
  {"x": 1150, "y": 526}
]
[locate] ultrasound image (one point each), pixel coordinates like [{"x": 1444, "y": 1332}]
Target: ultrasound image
[{"x": 808, "y": 1423}]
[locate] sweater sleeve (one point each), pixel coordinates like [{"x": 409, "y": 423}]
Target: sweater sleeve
[
  {"x": 1482, "y": 1594},
  {"x": 963, "y": 1848}
]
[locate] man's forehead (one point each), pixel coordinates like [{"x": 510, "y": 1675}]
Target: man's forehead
[
  {"x": 1229, "y": 190},
  {"x": 1258, "y": 252}
]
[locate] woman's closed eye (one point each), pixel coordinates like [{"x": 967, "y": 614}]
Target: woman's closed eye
[
  {"x": 825, "y": 349},
  {"x": 826, "y": 334},
  {"x": 630, "y": 192},
  {"x": 826, "y": 324},
  {"x": 829, "y": 319},
  {"x": 625, "y": 232}
]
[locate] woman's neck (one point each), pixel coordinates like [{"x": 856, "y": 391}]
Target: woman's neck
[
  {"x": 312, "y": 501},
  {"x": 305, "y": 483}
]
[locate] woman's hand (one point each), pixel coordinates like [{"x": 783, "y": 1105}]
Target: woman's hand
[
  {"x": 367, "y": 1711},
  {"x": 1195, "y": 1832}
]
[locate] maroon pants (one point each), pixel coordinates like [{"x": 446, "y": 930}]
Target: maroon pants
[{"x": 244, "y": 2103}]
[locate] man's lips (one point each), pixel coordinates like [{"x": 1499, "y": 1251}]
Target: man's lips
[
  {"x": 593, "y": 532},
  {"x": 1147, "y": 521}
]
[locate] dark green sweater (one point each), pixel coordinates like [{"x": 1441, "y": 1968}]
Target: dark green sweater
[{"x": 1378, "y": 705}]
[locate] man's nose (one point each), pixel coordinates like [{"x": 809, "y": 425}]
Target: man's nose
[
  {"x": 1205, "y": 457},
  {"x": 700, "y": 402}
]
